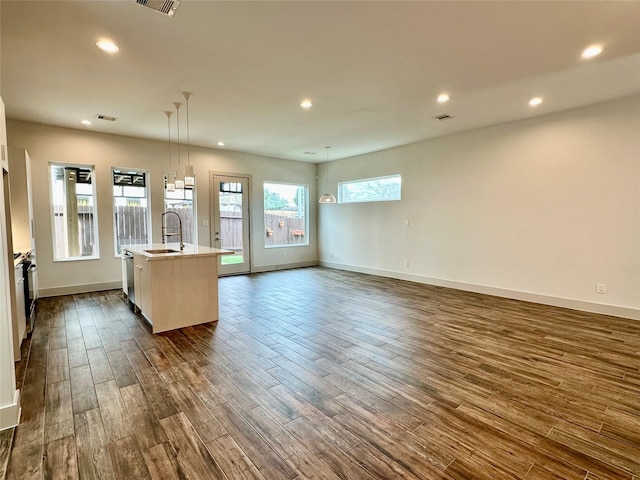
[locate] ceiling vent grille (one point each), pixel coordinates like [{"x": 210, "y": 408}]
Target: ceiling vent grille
[
  {"x": 443, "y": 117},
  {"x": 165, "y": 7},
  {"x": 108, "y": 118}
]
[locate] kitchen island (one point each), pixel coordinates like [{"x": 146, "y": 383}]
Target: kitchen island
[{"x": 175, "y": 288}]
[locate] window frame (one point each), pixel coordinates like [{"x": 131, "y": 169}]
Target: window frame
[
  {"x": 306, "y": 214},
  {"x": 147, "y": 197},
  {"x": 96, "y": 223},
  {"x": 364, "y": 180}
]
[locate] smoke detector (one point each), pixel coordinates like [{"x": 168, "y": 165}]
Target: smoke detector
[
  {"x": 108, "y": 118},
  {"x": 165, "y": 7}
]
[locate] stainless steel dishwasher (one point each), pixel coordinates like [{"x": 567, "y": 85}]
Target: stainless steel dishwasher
[{"x": 131, "y": 293}]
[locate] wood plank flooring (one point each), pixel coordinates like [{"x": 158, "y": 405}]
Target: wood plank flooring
[{"x": 322, "y": 374}]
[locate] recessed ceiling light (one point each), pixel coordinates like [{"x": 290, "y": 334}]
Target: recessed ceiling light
[
  {"x": 107, "y": 45},
  {"x": 535, "y": 101},
  {"x": 85, "y": 122},
  {"x": 307, "y": 104},
  {"x": 443, "y": 98},
  {"x": 220, "y": 144},
  {"x": 592, "y": 51}
]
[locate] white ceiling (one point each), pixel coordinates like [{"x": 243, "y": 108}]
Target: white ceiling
[{"x": 372, "y": 69}]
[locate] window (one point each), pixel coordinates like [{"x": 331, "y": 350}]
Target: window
[
  {"x": 377, "y": 189},
  {"x": 130, "y": 207},
  {"x": 73, "y": 209},
  {"x": 181, "y": 202},
  {"x": 285, "y": 214}
]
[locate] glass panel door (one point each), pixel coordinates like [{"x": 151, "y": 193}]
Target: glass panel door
[{"x": 231, "y": 223}]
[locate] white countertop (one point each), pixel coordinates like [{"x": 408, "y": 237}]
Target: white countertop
[{"x": 189, "y": 251}]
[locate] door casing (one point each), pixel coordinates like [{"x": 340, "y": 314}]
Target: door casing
[{"x": 222, "y": 271}]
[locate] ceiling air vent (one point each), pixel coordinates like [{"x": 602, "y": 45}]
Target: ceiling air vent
[
  {"x": 165, "y": 7},
  {"x": 108, "y": 118},
  {"x": 443, "y": 117}
]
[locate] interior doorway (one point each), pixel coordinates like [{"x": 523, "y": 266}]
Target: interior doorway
[{"x": 230, "y": 223}]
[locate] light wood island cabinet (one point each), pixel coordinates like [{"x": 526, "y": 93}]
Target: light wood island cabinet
[{"x": 176, "y": 289}]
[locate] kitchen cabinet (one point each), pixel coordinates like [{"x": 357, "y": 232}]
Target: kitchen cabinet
[
  {"x": 22, "y": 232},
  {"x": 7, "y": 244},
  {"x": 176, "y": 289},
  {"x": 142, "y": 286},
  {"x": 22, "y": 225},
  {"x": 9, "y": 395},
  {"x": 21, "y": 317},
  {"x": 124, "y": 276},
  {"x": 4, "y": 156}
]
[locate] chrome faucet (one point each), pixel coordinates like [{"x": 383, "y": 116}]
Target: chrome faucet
[{"x": 172, "y": 234}]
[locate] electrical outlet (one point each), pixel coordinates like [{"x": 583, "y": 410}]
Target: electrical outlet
[
  {"x": 601, "y": 288},
  {"x": 331, "y": 255},
  {"x": 406, "y": 263},
  {"x": 406, "y": 223},
  {"x": 284, "y": 254}
]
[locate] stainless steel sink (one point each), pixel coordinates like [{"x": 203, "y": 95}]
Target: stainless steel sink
[{"x": 162, "y": 250}]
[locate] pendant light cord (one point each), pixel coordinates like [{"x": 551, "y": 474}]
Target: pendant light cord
[
  {"x": 177, "y": 104},
  {"x": 188, "y": 159},
  {"x": 168, "y": 114},
  {"x": 327, "y": 173},
  {"x": 186, "y": 96}
]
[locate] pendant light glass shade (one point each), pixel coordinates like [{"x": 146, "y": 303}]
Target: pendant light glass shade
[
  {"x": 327, "y": 197},
  {"x": 171, "y": 187},
  {"x": 189, "y": 177}
]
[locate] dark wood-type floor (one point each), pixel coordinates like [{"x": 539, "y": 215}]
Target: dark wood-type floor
[{"x": 322, "y": 374}]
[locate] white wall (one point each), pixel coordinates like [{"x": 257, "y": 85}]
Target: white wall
[
  {"x": 541, "y": 210},
  {"x": 52, "y": 144}
]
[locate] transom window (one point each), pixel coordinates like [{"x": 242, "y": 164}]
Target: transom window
[{"x": 378, "y": 189}]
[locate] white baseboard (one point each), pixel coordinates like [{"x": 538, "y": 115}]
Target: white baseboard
[
  {"x": 613, "y": 310},
  {"x": 117, "y": 285},
  {"x": 73, "y": 289},
  {"x": 284, "y": 266},
  {"x": 10, "y": 414}
]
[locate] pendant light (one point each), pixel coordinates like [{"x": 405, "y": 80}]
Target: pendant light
[
  {"x": 179, "y": 174},
  {"x": 171, "y": 187},
  {"x": 327, "y": 197},
  {"x": 189, "y": 177}
]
